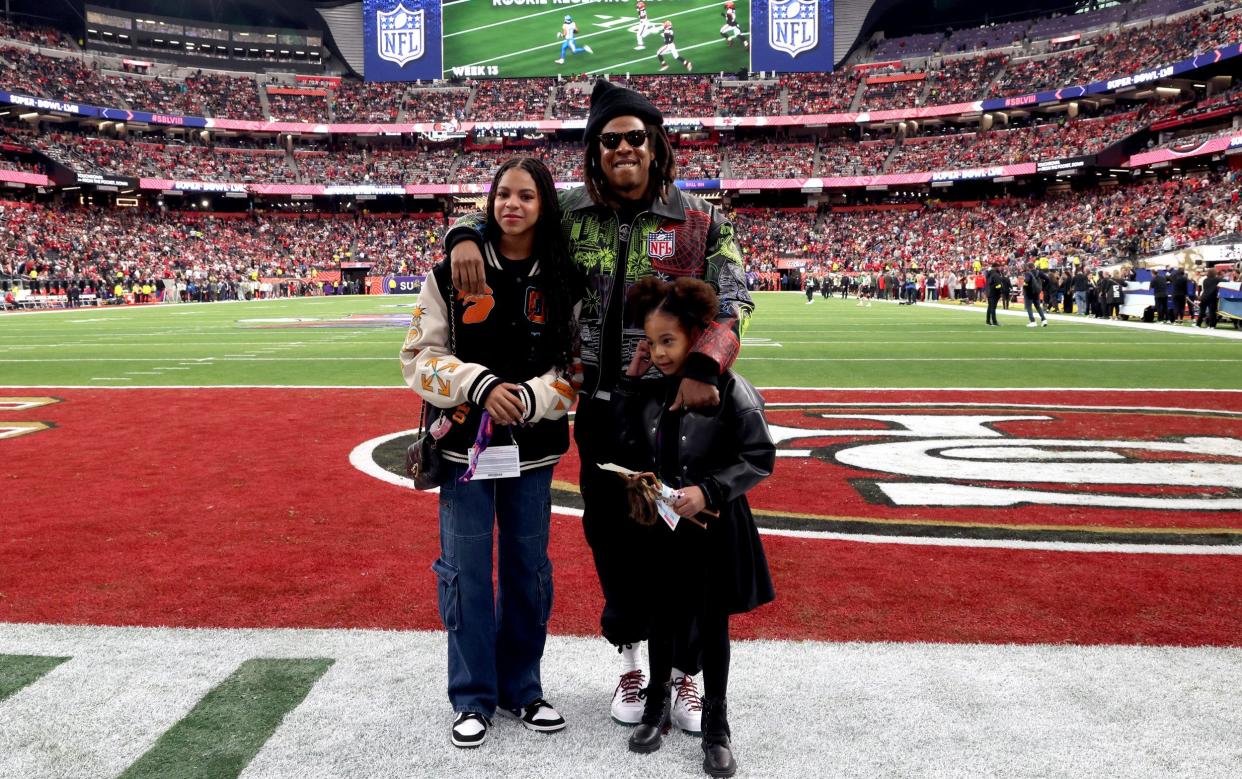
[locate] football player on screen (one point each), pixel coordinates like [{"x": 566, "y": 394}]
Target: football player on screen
[
  {"x": 670, "y": 48},
  {"x": 645, "y": 26},
  {"x": 569, "y": 31},
  {"x": 730, "y": 30}
]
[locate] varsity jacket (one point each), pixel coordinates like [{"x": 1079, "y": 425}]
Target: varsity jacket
[
  {"x": 686, "y": 236},
  {"x": 499, "y": 336}
]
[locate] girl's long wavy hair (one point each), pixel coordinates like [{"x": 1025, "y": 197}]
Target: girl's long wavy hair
[
  {"x": 661, "y": 175},
  {"x": 551, "y": 251}
]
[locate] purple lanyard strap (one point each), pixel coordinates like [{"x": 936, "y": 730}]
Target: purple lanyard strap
[{"x": 481, "y": 440}]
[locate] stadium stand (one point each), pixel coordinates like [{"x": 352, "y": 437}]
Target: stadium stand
[
  {"x": 298, "y": 108},
  {"x": 1093, "y": 224},
  {"x": 367, "y": 102},
  {"x": 771, "y": 160},
  {"x": 507, "y": 100},
  {"x": 100, "y": 243},
  {"x": 436, "y": 105}
]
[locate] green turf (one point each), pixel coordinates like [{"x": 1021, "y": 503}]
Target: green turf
[
  {"x": 20, "y": 671},
  {"x": 224, "y": 732},
  {"x": 828, "y": 344},
  {"x": 520, "y": 40}
]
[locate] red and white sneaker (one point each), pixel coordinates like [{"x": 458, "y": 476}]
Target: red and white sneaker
[
  {"x": 687, "y": 710},
  {"x": 627, "y": 707}
]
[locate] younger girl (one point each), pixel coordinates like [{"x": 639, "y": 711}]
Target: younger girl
[
  {"x": 712, "y": 457},
  {"x": 505, "y": 352}
]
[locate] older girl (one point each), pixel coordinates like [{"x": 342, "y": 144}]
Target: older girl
[{"x": 494, "y": 368}]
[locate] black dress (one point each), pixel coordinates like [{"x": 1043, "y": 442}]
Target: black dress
[{"x": 724, "y": 450}]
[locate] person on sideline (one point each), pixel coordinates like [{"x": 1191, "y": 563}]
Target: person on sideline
[
  {"x": 629, "y": 221},
  {"x": 1032, "y": 291},
  {"x": 996, "y": 288},
  {"x": 494, "y": 366},
  {"x": 712, "y": 559}
]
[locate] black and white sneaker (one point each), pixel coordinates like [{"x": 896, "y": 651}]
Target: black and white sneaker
[
  {"x": 470, "y": 729},
  {"x": 539, "y": 715}
]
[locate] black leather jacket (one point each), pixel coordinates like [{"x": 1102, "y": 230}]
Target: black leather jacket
[{"x": 725, "y": 450}]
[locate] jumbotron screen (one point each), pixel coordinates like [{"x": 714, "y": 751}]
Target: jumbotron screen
[{"x": 426, "y": 39}]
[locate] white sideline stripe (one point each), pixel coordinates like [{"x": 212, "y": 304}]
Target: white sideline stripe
[
  {"x": 380, "y": 710},
  {"x": 995, "y": 389},
  {"x": 251, "y": 358},
  {"x": 761, "y": 389},
  {"x": 97, "y": 713},
  {"x": 1061, "y": 406},
  {"x": 994, "y": 358},
  {"x": 1149, "y": 327}
]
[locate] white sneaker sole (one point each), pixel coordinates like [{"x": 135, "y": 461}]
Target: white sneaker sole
[
  {"x": 627, "y": 723},
  {"x": 469, "y": 744}
]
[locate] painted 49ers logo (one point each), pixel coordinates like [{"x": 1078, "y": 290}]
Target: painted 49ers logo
[
  {"x": 1019, "y": 471},
  {"x": 994, "y": 471}
]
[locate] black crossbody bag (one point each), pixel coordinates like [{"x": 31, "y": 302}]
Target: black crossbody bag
[{"x": 424, "y": 461}]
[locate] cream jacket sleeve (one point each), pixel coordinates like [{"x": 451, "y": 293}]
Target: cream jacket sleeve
[{"x": 429, "y": 366}]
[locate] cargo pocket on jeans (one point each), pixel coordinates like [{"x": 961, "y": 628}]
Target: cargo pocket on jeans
[
  {"x": 450, "y": 611},
  {"x": 544, "y": 576}
]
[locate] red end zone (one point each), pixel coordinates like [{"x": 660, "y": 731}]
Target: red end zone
[{"x": 231, "y": 508}]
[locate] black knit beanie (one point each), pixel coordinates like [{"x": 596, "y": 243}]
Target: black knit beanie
[{"x": 608, "y": 101}]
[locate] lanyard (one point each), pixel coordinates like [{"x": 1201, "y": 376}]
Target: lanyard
[{"x": 481, "y": 440}]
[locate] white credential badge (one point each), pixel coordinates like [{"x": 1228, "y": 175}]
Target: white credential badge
[
  {"x": 400, "y": 33},
  {"x": 793, "y": 25}
]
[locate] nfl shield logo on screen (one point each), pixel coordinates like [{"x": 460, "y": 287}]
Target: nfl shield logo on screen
[
  {"x": 793, "y": 25},
  {"x": 400, "y": 34},
  {"x": 661, "y": 245}
]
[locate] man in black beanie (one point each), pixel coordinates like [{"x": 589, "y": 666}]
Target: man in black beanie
[{"x": 630, "y": 221}]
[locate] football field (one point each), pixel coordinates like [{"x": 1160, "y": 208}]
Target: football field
[
  {"x": 521, "y": 40},
  {"x": 353, "y": 341},
  {"x": 997, "y": 551}
]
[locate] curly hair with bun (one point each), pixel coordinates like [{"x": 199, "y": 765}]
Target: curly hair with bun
[{"x": 691, "y": 301}]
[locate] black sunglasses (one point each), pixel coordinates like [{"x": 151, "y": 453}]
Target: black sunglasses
[{"x": 635, "y": 138}]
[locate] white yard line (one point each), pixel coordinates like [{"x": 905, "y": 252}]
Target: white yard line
[
  {"x": 880, "y": 709},
  {"x": 524, "y": 17},
  {"x": 998, "y": 359},
  {"x": 555, "y": 44}
]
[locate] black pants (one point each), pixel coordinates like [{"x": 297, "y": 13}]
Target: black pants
[
  {"x": 1207, "y": 312},
  {"x": 992, "y": 301},
  {"x": 632, "y": 591},
  {"x": 713, "y": 631},
  {"x": 1162, "y": 308},
  {"x": 810, "y": 293},
  {"x": 1179, "y": 308}
]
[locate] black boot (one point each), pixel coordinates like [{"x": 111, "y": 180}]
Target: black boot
[
  {"x": 649, "y": 734},
  {"x": 717, "y": 752}
]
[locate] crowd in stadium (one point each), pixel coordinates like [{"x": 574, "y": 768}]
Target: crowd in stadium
[
  {"x": 1108, "y": 53},
  {"x": 1089, "y": 229},
  {"x": 1094, "y": 227},
  {"x": 1099, "y": 227},
  {"x": 46, "y": 247}
]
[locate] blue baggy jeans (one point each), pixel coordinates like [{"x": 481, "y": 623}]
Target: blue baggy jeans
[
  {"x": 1037, "y": 305},
  {"x": 495, "y": 644}
]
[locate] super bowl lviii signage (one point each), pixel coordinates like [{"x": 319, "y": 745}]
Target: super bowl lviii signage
[
  {"x": 401, "y": 39},
  {"x": 792, "y": 36}
]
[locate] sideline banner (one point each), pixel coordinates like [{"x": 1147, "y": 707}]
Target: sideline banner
[{"x": 402, "y": 285}]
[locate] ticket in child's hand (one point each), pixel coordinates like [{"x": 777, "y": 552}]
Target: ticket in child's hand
[{"x": 617, "y": 469}]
